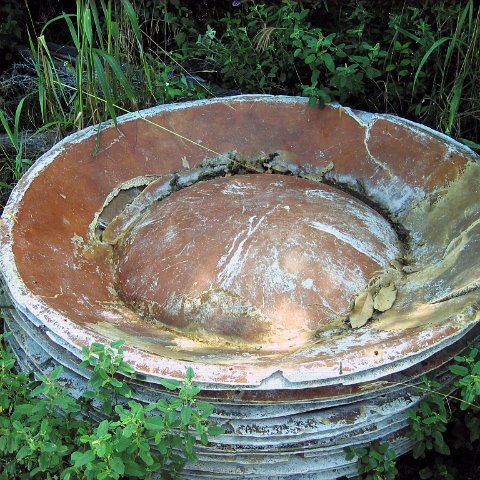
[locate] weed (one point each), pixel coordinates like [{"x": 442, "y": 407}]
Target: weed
[
  {"x": 111, "y": 68},
  {"x": 437, "y": 428},
  {"x": 45, "y": 433},
  {"x": 17, "y": 165},
  {"x": 377, "y": 462},
  {"x": 429, "y": 423}
]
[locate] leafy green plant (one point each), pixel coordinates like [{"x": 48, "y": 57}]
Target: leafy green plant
[
  {"x": 377, "y": 462},
  {"x": 419, "y": 60},
  {"x": 467, "y": 371},
  {"x": 429, "y": 423},
  {"x": 45, "y": 433},
  {"x": 457, "y": 53},
  {"x": 438, "y": 430}
]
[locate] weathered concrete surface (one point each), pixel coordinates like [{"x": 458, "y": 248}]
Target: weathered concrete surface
[{"x": 261, "y": 295}]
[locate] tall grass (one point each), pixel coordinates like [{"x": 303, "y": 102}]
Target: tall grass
[
  {"x": 97, "y": 70},
  {"x": 455, "y": 94},
  {"x": 17, "y": 165}
]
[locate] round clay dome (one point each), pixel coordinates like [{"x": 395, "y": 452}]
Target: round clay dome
[{"x": 257, "y": 258}]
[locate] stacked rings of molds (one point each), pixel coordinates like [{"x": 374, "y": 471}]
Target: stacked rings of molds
[{"x": 310, "y": 265}]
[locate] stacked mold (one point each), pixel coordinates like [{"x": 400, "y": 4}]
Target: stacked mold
[{"x": 310, "y": 265}]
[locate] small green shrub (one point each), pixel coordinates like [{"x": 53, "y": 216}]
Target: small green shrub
[
  {"x": 47, "y": 434},
  {"x": 429, "y": 423},
  {"x": 467, "y": 371},
  {"x": 377, "y": 462}
]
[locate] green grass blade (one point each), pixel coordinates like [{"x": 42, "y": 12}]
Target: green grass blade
[
  {"x": 138, "y": 36},
  {"x": 72, "y": 31},
  {"x": 455, "y": 39},
  {"x": 99, "y": 70},
  {"x": 98, "y": 25},
  {"x": 18, "y": 113},
  {"x": 470, "y": 143},
  {"x": 454, "y": 104},
  {"x": 7, "y": 129},
  {"x": 436, "y": 45},
  {"x": 40, "y": 77},
  {"x": 132, "y": 16},
  {"x": 55, "y": 19},
  {"x": 119, "y": 75},
  {"x": 86, "y": 26}
]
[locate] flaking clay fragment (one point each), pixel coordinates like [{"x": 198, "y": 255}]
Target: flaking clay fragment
[
  {"x": 385, "y": 298},
  {"x": 362, "y": 311}
]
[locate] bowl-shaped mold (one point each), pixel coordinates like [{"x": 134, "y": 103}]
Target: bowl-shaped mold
[{"x": 309, "y": 264}]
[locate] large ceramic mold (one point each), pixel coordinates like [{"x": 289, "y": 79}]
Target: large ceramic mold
[{"x": 244, "y": 237}]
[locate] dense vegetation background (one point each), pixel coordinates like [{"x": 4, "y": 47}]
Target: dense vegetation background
[
  {"x": 65, "y": 65},
  {"x": 68, "y": 64}
]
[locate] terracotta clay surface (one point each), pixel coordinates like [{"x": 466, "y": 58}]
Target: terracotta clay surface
[
  {"x": 244, "y": 237},
  {"x": 261, "y": 258}
]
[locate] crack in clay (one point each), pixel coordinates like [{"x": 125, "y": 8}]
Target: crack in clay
[
  {"x": 377, "y": 162},
  {"x": 457, "y": 293}
]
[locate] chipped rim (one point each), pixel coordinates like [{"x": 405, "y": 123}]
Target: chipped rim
[{"x": 211, "y": 376}]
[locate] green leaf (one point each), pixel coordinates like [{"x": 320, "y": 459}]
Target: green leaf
[
  {"x": 186, "y": 415},
  {"x": 459, "y": 370},
  {"x": 125, "y": 368},
  {"x": 80, "y": 459},
  {"x": 169, "y": 383},
  {"x": 117, "y": 465},
  {"x": 440, "y": 445},
  {"x": 425, "y": 473},
  {"x": 454, "y": 104},
  {"x": 133, "y": 469},
  {"x": 129, "y": 429},
  {"x": 310, "y": 59},
  {"x": 100, "y": 72},
  {"x": 56, "y": 372},
  {"x": 102, "y": 428},
  {"x": 154, "y": 423},
  {"x": 25, "y": 451},
  {"x": 436, "y": 45},
  {"x": 328, "y": 60},
  {"x": 145, "y": 455},
  {"x": 39, "y": 390},
  {"x": 205, "y": 408},
  {"x": 190, "y": 374},
  {"x": 419, "y": 450},
  {"x": 215, "y": 430}
]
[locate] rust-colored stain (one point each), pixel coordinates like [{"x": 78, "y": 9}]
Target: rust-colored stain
[{"x": 245, "y": 237}]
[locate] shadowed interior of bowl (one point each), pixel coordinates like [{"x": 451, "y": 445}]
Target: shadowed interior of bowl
[{"x": 243, "y": 232}]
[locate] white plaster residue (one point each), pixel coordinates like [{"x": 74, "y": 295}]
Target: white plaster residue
[
  {"x": 234, "y": 260},
  {"x": 275, "y": 278},
  {"x": 374, "y": 159},
  {"x": 396, "y": 195},
  {"x": 170, "y": 234},
  {"x": 364, "y": 119},
  {"x": 319, "y": 193},
  {"x": 308, "y": 284},
  {"x": 236, "y": 188},
  {"x": 351, "y": 240}
]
